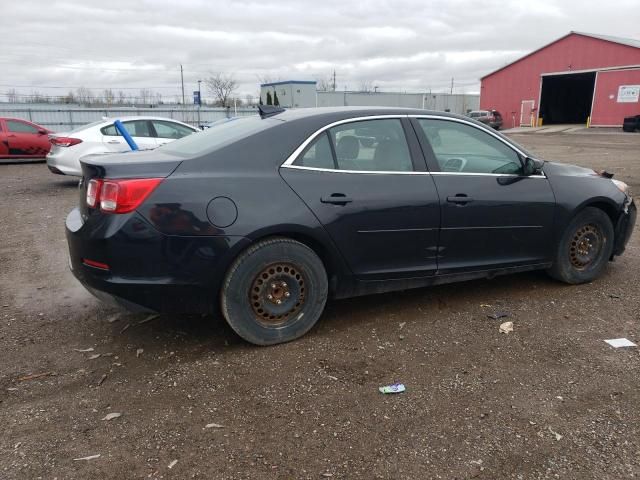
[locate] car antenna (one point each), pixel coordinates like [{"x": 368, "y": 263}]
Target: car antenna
[{"x": 267, "y": 111}]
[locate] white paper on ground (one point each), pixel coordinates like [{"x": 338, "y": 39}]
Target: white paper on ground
[{"x": 620, "y": 342}]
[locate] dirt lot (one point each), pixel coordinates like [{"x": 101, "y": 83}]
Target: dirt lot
[{"x": 550, "y": 400}]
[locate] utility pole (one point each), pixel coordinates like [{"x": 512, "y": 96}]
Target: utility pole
[
  {"x": 451, "y": 86},
  {"x": 199, "y": 101},
  {"x": 334, "y": 80},
  {"x": 182, "y": 82}
]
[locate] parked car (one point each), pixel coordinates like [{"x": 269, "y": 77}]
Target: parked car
[
  {"x": 631, "y": 124},
  {"x": 266, "y": 217},
  {"x": 102, "y": 137},
  {"x": 20, "y": 139},
  {"x": 488, "y": 117}
]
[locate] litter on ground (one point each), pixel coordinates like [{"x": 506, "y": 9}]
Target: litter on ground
[
  {"x": 395, "y": 388},
  {"x": 620, "y": 342},
  {"x": 506, "y": 327}
]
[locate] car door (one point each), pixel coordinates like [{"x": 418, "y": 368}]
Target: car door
[
  {"x": 25, "y": 139},
  {"x": 140, "y": 130},
  {"x": 167, "y": 131},
  {"x": 4, "y": 141},
  {"x": 366, "y": 182},
  {"x": 493, "y": 215}
]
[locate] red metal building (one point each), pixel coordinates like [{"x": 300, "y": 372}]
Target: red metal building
[{"x": 577, "y": 78}]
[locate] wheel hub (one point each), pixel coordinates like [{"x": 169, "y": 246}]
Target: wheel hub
[
  {"x": 585, "y": 247},
  {"x": 277, "y": 293}
]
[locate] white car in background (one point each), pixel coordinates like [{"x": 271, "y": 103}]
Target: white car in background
[{"x": 68, "y": 148}]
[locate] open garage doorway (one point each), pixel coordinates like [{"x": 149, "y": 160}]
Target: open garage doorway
[{"x": 566, "y": 98}]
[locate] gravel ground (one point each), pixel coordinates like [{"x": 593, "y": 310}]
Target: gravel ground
[{"x": 550, "y": 400}]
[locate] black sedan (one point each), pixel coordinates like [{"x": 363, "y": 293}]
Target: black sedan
[{"x": 266, "y": 217}]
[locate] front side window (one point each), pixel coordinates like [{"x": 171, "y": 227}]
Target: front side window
[
  {"x": 165, "y": 129},
  {"x": 366, "y": 146},
  {"x": 20, "y": 127},
  {"x": 462, "y": 148}
]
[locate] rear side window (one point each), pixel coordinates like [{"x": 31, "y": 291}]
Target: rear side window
[
  {"x": 318, "y": 154},
  {"x": 165, "y": 129},
  {"x": 20, "y": 127},
  {"x": 364, "y": 146}
]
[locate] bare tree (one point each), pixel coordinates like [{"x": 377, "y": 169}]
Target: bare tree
[
  {"x": 37, "y": 97},
  {"x": 12, "y": 96},
  {"x": 122, "y": 98},
  {"x": 323, "y": 84},
  {"x": 109, "y": 96},
  {"x": 145, "y": 96},
  {"x": 268, "y": 78},
  {"x": 221, "y": 87},
  {"x": 69, "y": 97},
  {"x": 366, "y": 86},
  {"x": 84, "y": 95}
]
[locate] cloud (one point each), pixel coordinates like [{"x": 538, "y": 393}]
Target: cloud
[{"x": 410, "y": 45}]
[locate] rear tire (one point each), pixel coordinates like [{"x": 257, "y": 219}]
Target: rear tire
[
  {"x": 585, "y": 247},
  {"x": 274, "y": 292}
]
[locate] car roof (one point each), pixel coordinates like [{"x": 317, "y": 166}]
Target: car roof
[
  {"x": 140, "y": 117},
  {"x": 341, "y": 113},
  {"x": 19, "y": 119}
]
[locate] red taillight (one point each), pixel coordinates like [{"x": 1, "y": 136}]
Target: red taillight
[
  {"x": 93, "y": 192},
  {"x": 123, "y": 196},
  {"x": 64, "y": 141}
]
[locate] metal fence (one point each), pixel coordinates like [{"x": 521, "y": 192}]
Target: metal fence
[
  {"x": 62, "y": 117},
  {"x": 444, "y": 102}
]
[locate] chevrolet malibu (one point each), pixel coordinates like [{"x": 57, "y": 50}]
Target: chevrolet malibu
[{"x": 266, "y": 217}]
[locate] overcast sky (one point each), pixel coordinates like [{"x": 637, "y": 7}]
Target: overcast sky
[{"x": 409, "y": 45}]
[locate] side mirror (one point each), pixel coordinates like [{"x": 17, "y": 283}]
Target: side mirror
[
  {"x": 42, "y": 131},
  {"x": 532, "y": 166}
]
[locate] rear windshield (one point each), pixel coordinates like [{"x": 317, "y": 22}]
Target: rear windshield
[
  {"x": 88, "y": 125},
  {"x": 219, "y": 136}
]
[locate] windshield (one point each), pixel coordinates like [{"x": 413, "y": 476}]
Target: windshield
[{"x": 219, "y": 136}]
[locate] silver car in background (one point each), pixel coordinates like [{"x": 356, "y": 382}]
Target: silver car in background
[{"x": 102, "y": 137}]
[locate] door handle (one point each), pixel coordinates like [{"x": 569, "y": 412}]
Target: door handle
[
  {"x": 460, "y": 198},
  {"x": 336, "y": 199},
  {"x": 114, "y": 142}
]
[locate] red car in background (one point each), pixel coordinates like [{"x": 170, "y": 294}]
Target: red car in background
[{"x": 21, "y": 139}]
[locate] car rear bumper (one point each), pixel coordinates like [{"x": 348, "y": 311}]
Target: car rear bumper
[
  {"x": 147, "y": 270},
  {"x": 61, "y": 163},
  {"x": 624, "y": 227}
]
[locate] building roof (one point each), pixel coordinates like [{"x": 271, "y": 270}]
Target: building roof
[
  {"x": 629, "y": 42},
  {"x": 288, "y": 82}
]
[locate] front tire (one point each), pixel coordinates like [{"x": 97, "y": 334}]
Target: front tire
[
  {"x": 585, "y": 247},
  {"x": 274, "y": 292}
]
